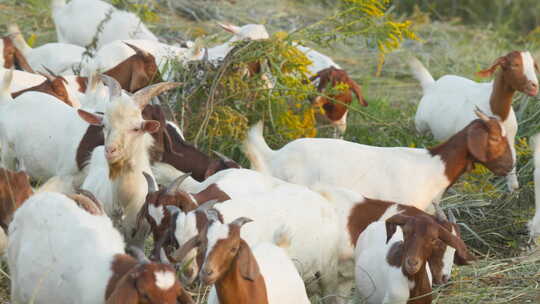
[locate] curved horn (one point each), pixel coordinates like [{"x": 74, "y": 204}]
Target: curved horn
[
  {"x": 481, "y": 114},
  {"x": 174, "y": 186},
  {"x": 222, "y": 157},
  {"x": 138, "y": 50},
  {"x": 163, "y": 257},
  {"x": 115, "y": 89},
  {"x": 241, "y": 221},
  {"x": 212, "y": 215},
  {"x": 138, "y": 253},
  {"x": 439, "y": 213},
  {"x": 205, "y": 58},
  {"x": 143, "y": 96},
  {"x": 91, "y": 196},
  {"x": 451, "y": 216},
  {"x": 180, "y": 253},
  {"x": 152, "y": 187},
  {"x": 49, "y": 77},
  {"x": 207, "y": 205}
]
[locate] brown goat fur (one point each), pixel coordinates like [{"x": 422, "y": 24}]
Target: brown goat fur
[
  {"x": 332, "y": 76},
  {"x": 14, "y": 190},
  {"x": 135, "y": 282},
  {"x": 55, "y": 86},
  {"x": 13, "y": 58},
  {"x": 420, "y": 234}
]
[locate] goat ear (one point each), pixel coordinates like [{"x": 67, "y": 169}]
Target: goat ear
[
  {"x": 150, "y": 126},
  {"x": 536, "y": 67},
  {"x": 139, "y": 78},
  {"x": 477, "y": 140},
  {"x": 124, "y": 293},
  {"x": 21, "y": 60},
  {"x": 463, "y": 256},
  {"x": 489, "y": 71},
  {"x": 248, "y": 265},
  {"x": 358, "y": 92},
  {"x": 392, "y": 223},
  {"x": 91, "y": 118},
  {"x": 231, "y": 28}
]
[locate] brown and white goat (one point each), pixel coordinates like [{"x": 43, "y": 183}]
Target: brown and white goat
[
  {"x": 336, "y": 106},
  {"x": 242, "y": 274},
  {"x": 447, "y": 104},
  {"x": 11, "y": 56},
  {"x": 391, "y": 258},
  {"x": 53, "y": 85},
  {"x": 14, "y": 190}
]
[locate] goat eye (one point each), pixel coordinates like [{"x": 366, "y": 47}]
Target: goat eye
[{"x": 136, "y": 129}]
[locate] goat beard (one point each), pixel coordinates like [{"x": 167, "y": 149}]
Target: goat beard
[{"x": 116, "y": 168}]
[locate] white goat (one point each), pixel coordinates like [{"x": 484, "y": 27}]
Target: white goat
[
  {"x": 392, "y": 263},
  {"x": 416, "y": 176},
  {"x": 311, "y": 220},
  {"x": 116, "y": 170},
  {"x": 52, "y": 240},
  {"x": 77, "y": 23},
  {"x": 60, "y": 58},
  {"x": 319, "y": 61},
  {"x": 245, "y": 32},
  {"x": 249, "y": 270},
  {"x": 447, "y": 104}
]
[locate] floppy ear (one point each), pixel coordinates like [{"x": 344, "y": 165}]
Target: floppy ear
[
  {"x": 463, "y": 256},
  {"x": 536, "y": 67},
  {"x": 125, "y": 292},
  {"x": 489, "y": 71},
  {"x": 21, "y": 60},
  {"x": 139, "y": 78},
  {"x": 248, "y": 265},
  {"x": 91, "y": 118},
  {"x": 150, "y": 126},
  {"x": 477, "y": 140},
  {"x": 358, "y": 92},
  {"x": 391, "y": 224}
]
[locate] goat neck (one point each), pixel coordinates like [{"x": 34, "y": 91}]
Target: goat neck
[
  {"x": 500, "y": 100},
  {"x": 455, "y": 156}
]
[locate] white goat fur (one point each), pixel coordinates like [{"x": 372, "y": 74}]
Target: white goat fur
[
  {"x": 365, "y": 169},
  {"x": 129, "y": 189},
  {"x": 47, "y": 257},
  {"x": 77, "y": 22},
  {"x": 312, "y": 222},
  {"x": 245, "y": 32},
  {"x": 534, "y": 224},
  {"x": 448, "y": 103},
  {"x": 283, "y": 284},
  {"x": 60, "y": 58},
  {"x": 319, "y": 61},
  {"x": 376, "y": 280}
]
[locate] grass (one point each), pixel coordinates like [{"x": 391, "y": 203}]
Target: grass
[{"x": 493, "y": 221}]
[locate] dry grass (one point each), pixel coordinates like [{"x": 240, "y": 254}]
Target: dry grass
[{"x": 493, "y": 221}]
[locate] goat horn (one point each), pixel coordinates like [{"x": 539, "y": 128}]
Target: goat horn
[
  {"x": 163, "y": 256},
  {"x": 138, "y": 253},
  {"x": 138, "y": 50},
  {"x": 175, "y": 185},
  {"x": 143, "y": 96},
  {"x": 92, "y": 197},
  {"x": 481, "y": 114},
  {"x": 205, "y": 56},
  {"x": 241, "y": 221},
  {"x": 179, "y": 254},
  {"x": 212, "y": 215},
  {"x": 49, "y": 71},
  {"x": 115, "y": 89},
  {"x": 152, "y": 187},
  {"x": 222, "y": 156},
  {"x": 451, "y": 216},
  {"x": 439, "y": 213},
  {"x": 207, "y": 205}
]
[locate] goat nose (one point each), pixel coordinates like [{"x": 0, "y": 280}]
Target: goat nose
[
  {"x": 445, "y": 279},
  {"x": 110, "y": 150},
  {"x": 208, "y": 272},
  {"x": 412, "y": 262}
]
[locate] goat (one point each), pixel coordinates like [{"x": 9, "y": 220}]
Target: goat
[
  {"x": 317, "y": 246},
  {"x": 373, "y": 170},
  {"x": 60, "y": 58},
  {"x": 116, "y": 170},
  {"x": 336, "y": 111},
  {"x": 56, "y": 86},
  {"x": 11, "y": 56},
  {"x": 446, "y": 105},
  {"x": 46, "y": 227},
  {"x": 248, "y": 274},
  {"x": 78, "y": 22},
  {"x": 116, "y": 52},
  {"x": 391, "y": 261}
]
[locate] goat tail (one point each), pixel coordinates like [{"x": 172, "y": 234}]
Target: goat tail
[
  {"x": 283, "y": 237},
  {"x": 420, "y": 72},
  {"x": 5, "y": 91},
  {"x": 256, "y": 148}
]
